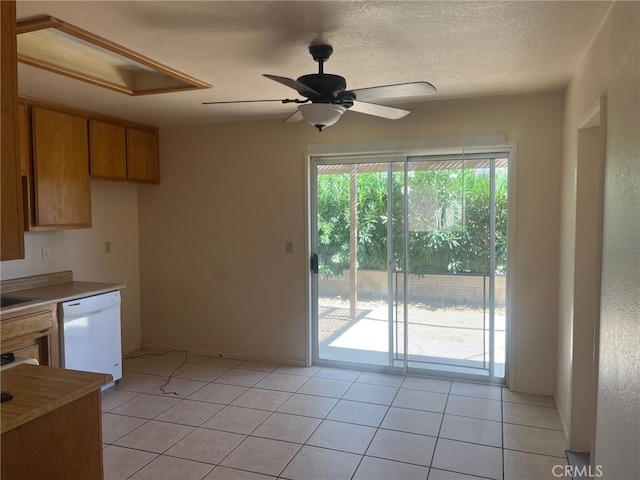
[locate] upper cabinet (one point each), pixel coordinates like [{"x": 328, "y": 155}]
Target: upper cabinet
[
  {"x": 142, "y": 156},
  {"x": 123, "y": 153},
  {"x": 108, "y": 157},
  {"x": 63, "y": 148},
  {"x": 11, "y": 228},
  {"x": 62, "y": 191}
]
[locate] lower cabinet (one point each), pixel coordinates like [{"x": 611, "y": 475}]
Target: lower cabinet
[
  {"x": 32, "y": 333},
  {"x": 51, "y": 429}
]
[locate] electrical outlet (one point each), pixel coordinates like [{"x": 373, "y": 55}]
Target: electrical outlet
[
  {"x": 107, "y": 247},
  {"x": 46, "y": 255},
  {"x": 288, "y": 246}
]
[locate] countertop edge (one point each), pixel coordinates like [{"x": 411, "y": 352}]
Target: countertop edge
[
  {"x": 102, "y": 288},
  {"x": 99, "y": 380}
]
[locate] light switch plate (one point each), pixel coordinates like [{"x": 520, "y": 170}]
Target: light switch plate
[{"x": 46, "y": 255}]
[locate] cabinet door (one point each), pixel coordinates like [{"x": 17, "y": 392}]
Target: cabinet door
[
  {"x": 142, "y": 156},
  {"x": 108, "y": 143},
  {"x": 61, "y": 169},
  {"x": 24, "y": 145},
  {"x": 11, "y": 229},
  {"x": 31, "y": 351}
]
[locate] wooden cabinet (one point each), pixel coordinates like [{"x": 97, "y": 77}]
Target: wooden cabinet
[
  {"x": 32, "y": 333},
  {"x": 142, "y": 156},
  {"x": 24, "y": 138},
  {"x": 11, "y": 228},
  {"x": 61, "y": 187},
  {"x": 53, "y": 426},
  {"x": 108, "y": 144},
  {"x": 123, "y": 153},
  {"x": 62, "y": 149}
]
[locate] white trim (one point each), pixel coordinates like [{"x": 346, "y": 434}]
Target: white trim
[
  {"x": 511, "y": 366},
  {"x": 307, "y": 278},
  {"x": 590, "y": 118},
  {"x": 230, "y": 355},
  {"x": 408, "y": 147},
  {"x": 356, "y": 152}
]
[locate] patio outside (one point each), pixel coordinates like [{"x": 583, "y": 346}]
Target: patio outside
[{"x": 449, "y": 332}]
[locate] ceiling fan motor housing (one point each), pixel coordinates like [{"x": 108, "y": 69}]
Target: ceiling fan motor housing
[{"x": 327, "y": 85}]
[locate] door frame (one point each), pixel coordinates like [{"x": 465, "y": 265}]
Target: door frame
[{"x": 415, "y": 147}]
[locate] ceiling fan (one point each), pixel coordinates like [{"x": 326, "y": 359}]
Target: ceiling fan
[{"x": 326, "y": 96}]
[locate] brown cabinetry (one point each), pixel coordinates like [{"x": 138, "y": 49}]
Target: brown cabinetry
[
  {"x": 62, "y": 191},
  {"x": 142, "y": 159},
  {"x": 123, "y": 153},
  {"x": 52, "y": 427},
  {"x": 108, "y": 143},
  {"x": 62, "y": 149},
  {"x": 32, "y": 333},
  {"x": 24, "y": 137},
  {"x": 11, "y": 228}
]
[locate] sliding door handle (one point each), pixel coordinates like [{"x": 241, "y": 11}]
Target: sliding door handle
[{"x": 314, "y": 263}]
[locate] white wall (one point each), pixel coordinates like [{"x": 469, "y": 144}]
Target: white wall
[
  {"x": 611, "y": 68},
  {"x": 214, "y": 273},
  {"x": 115, "y": 218}
]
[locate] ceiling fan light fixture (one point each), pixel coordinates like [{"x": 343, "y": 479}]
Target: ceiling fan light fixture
[{"x": 321, "y": 115}]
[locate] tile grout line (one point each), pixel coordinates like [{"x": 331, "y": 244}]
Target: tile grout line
[
  {"x": 435, "y": 445},
  {"x": 324, "y": 418},
  {"x": 269, "y": 416},
  {"x": 377, "y": 430},
  {"x": 246, "y": 436},
  {"x": 321, "y": 422}
]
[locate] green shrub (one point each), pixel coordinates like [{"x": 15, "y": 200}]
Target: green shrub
[{"x": 448, "y": 221}]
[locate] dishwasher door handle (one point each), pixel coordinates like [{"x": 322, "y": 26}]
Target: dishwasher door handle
[{"x": 71, "y": 315}]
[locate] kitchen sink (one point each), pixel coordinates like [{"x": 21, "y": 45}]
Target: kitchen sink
[{"x": 6, "y": 301}]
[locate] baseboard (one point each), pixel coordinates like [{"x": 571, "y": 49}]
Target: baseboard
[
  {"x": 229, "y": 355},
  {"x": 565, "y": 428}
]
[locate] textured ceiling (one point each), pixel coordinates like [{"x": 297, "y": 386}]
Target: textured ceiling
[{"x": 463, "y": 48}]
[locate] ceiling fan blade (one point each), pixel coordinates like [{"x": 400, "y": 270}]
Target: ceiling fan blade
[
  {"x": 379, "y": 110},
  {"x": 301, "y": 88},
  {"x": 294, "y": 117},
  {"x": 400, "y": 90},
  {"x": 244, "y": 101}
]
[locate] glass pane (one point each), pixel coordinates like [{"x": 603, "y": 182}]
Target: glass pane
[
  {"x": 500, "y": 307},
  {"x": 353, "y": 296},
  {"x": 448, "y": 265}
]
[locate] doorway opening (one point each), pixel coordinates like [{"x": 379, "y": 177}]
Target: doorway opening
[{"x": 409, "y": 263}]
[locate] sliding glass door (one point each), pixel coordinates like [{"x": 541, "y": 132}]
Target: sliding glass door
[{"x": 409, "y": 262}]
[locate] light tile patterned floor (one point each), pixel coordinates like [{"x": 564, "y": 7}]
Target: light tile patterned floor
[{"x": 234, "y": 420}]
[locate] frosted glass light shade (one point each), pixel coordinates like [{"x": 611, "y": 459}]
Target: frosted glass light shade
[{"x": 321, "y": 115}]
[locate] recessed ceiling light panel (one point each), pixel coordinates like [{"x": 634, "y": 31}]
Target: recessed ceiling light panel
[{"x": 60, "y": 47}]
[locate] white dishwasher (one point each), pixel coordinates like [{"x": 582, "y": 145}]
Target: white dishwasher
[{"x": 90, "y": 335}]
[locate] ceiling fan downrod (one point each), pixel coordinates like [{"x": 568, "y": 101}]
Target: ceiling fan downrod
[{"x": 320, "y": 54}]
